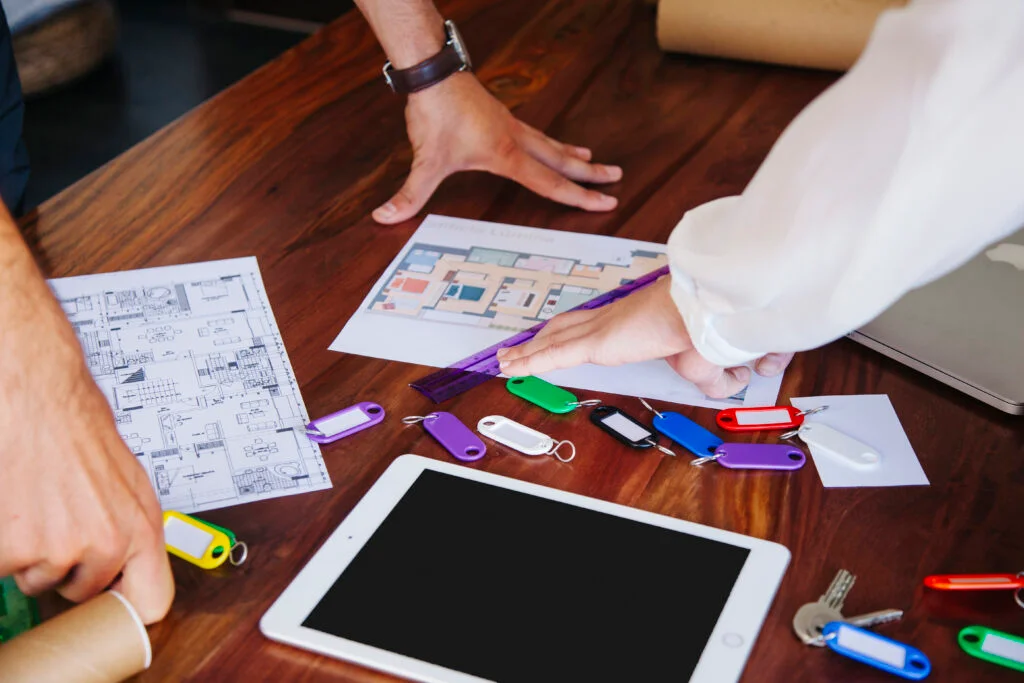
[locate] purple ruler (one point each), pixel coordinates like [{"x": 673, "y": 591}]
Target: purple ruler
[{"x": 473, "y": 371}]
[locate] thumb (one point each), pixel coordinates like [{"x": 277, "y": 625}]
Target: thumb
[
  {"x": 147, "y": 583},
  {"x": 422, "y": 181}
]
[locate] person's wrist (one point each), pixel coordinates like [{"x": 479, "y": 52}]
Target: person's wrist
[
  {"x": 458, "y": 82},
  {"x": 420, "y": 46}
]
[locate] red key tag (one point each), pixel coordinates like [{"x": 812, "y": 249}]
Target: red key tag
[
  {"x": 975, "y": 582},
  {"x": 757, "y": 419}
]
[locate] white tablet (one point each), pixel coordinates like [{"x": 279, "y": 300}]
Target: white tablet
[{"x": 443, "y": 573}]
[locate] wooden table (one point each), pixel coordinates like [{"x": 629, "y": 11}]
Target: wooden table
[{"x": 288, "y": 164}]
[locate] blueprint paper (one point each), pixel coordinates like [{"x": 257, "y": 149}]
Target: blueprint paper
[
  {"x": 459, "y": 286},
  {"x": 192, "y": 362},
  {"x": 870, "y": 419}
]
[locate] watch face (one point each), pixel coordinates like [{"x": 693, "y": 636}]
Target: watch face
[{"x": 456, "y": 40}]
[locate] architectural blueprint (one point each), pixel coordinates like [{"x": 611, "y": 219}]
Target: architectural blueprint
[
  {"x": 459, "y": 286},
  {"x": 193, "y": 365}
]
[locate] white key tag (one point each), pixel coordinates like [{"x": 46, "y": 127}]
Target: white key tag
[
  {"x": 842, "y": 447},
  {"x": 523, "y": 439}
]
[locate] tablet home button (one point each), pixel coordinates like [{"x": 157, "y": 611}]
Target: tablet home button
[{"x": 732, "y": 639}]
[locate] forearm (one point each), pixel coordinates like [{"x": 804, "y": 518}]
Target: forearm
[
  {"x": 409, "y": 30},
  {"x": 902, "y": 171},
  {"x": 31, "y": 321}
]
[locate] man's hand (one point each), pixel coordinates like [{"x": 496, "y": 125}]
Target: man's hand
[
  {"x": 457, "y": 125},
  {"x": 642, "y": 326},
  {"x": 77, "y": 512}
]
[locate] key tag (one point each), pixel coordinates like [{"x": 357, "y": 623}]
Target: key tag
[
  {"x": 523, "y": 439},
  {"x": 760, "y": 419},
  {"x": 546, "y": 395},
  {"x": 455, "y": 437},
  {"x": 993, "y": 646},
  {"x": 756, "y": 456},
  {"x": 878, "y": 651},
  {"x": 625, "y": 429},
  {"x": 685, "y": 432},
  {"x": 979, "y": 582},
  {"x": 345, "y": 422},
  {"x": 839, "y": 446},
  {"x": 203, "y": 544}
]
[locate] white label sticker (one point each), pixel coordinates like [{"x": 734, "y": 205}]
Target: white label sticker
[
  {"x": 870, "y": 646},
  {"x": 186, "y": 538},
  {"x": 979, "y": 580},
  {"x": 1003, "y": 647},
  {"x": 343, "y": 422},
  {"x": 628, "y": 429},
  {"x": 762, "y": 417}
]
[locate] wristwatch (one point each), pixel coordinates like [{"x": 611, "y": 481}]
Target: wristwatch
[{"x": 452, "y": 58}]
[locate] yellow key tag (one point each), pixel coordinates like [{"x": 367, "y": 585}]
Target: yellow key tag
[{"x": 195, "y": 541}]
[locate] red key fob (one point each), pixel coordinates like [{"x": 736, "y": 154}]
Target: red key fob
[
  {"x": 757, "y": 419},
  {"x": 975, "y": 582}
]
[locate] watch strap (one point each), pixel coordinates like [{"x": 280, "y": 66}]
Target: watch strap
[{"x": 428, "y": 72}]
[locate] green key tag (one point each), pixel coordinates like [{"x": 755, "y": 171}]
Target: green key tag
[
  {"x": 18, "y": 612},
  {"x": 993, "y": 646},
  {"x": 238, "y": 552},
  {"x": 546, "y": 395}
]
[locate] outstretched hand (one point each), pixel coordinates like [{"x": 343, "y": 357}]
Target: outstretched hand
[
  {"x": 457, "y": 125},
  {"x": 642, "y": 326}
]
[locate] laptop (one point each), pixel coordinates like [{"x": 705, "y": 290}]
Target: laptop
[{"x": 965, "y": 329}]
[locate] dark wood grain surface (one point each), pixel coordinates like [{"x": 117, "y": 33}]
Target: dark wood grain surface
[{"x": 287, "y": 166}]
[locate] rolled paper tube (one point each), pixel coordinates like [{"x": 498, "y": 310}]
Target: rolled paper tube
[
  {"x": 102, "y": 640},
  {"x": 820, "y": 34}
]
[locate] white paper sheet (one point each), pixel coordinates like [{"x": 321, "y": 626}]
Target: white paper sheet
[
  {"x": 872, "y": 420},
  {"x": 459, "y": 286},
  {"x": 192, "y": 362}
]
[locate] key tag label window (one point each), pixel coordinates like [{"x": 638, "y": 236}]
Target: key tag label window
[
  {"x": 523, "y": 439},
  {"x": 756, "y": 456},
  {"x": 345, "y": 422},
  {"x": 201, "y": 543},
  {"x": 759, "y": 419},
  {"x": 878, "y": 651},
  {"x": 993, "y": 646},
  {"x": 685, "y": 432},
  {"x": 842, "y": 447},
  {"x": 455, "y": 437},
  {"x": 625, "y": 429},
  {"x": 546, "y": 395}
]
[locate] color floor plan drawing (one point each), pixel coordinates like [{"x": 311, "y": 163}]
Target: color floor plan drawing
[
  {"x": 459, "y": 286},
  {"x": 193, "y": 365},
  {"x": 499, "y": 288}
]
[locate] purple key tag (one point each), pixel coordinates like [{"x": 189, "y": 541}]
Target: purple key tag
[
  {"x": 448, "y": 431},
  {"x": 756, "y": 456},
  {"x": 345, "y": 422}
]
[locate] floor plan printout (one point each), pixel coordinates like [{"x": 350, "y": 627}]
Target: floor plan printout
[
  {"x": 192, "y": 362},
  {"x": 459, "y": 286}
]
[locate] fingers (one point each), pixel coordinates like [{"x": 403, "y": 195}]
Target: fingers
[
  {"x": 713, "y": 380},
  {"x": 95, "y": 572},
  {"x": 567, "y": 160},
  {"x": 42, "y": 576},
  {"x": 772, "y": 364},
  {"x": 422, "y": 181},
  {"x": 545, "y": 355},
  {"x": 535, "y": 176}
]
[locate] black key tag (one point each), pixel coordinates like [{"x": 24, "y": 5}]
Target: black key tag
[{"x": 625, "y": 429}]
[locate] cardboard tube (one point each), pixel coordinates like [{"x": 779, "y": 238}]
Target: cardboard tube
[
  {"x": 99, "y": 641},
  {"x": 820, "y": 34}
]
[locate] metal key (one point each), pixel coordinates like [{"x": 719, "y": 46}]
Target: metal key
[
  {"x": 869, "y": 620},
  {"x": 809, "y": 619}
]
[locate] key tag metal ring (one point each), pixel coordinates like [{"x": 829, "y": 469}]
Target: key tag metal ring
[
  {"x": 414, "y": 419},
  {"x": 572, "y": 454},
  {"x": 243, "y": 555},
  {"x": 1018, "y": 595}
]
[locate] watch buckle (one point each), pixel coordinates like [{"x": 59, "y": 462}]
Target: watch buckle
[{"x": 387, "y": 75}]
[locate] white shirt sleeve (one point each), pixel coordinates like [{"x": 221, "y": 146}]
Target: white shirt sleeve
[{"x": 904, "y": 169}]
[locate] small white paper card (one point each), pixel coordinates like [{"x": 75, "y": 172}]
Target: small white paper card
[{"x": 871, "y": 419}]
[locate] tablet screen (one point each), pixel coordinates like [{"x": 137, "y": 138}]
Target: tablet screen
[{"x": 511, "y": 587}]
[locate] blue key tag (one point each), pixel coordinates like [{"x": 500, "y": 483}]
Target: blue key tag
[
  {"x": 878, "y": 651},
  {"x": 685, "y": 432},
  {"x": 448, "y": 431}
]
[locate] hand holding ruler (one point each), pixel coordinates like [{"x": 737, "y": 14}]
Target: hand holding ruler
[{"x": 473, "y": 371}]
